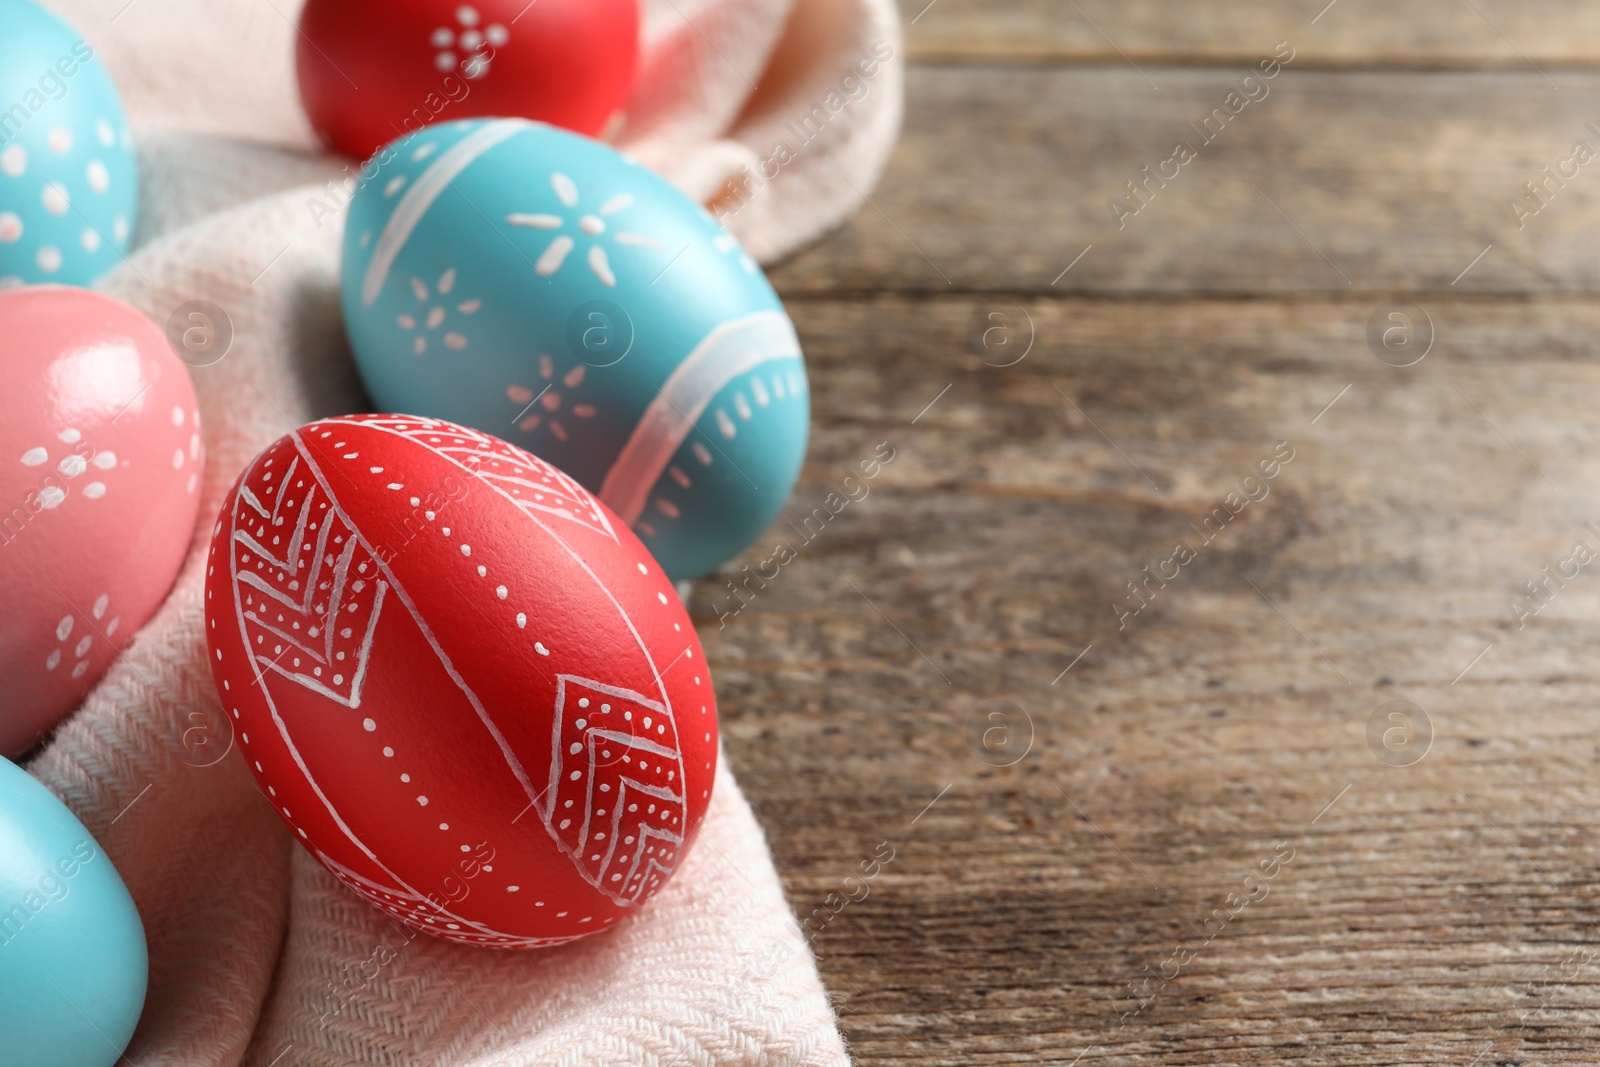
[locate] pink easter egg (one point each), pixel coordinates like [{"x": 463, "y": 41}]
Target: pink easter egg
[{"x": 100, "y": 464}]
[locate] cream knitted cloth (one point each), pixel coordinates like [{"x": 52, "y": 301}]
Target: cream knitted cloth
[
  {"x": 797, "y": 101},
  {"x": 258, "y": 956}
]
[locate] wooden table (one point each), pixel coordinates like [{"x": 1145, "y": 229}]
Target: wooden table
[{"x": 1328, "y": 796}]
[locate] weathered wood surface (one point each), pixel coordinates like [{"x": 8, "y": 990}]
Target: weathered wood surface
[
  {"x": 1415, "y": 923},
  {"x": 1359, "y": 33},
  {"x": 1334, "y": 180},
  {"x": 1435, "y": 910}
]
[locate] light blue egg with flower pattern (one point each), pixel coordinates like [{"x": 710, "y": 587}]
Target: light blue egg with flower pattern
[
  {"x": 544, "y": 288},
  {"x": 68, "y": 177}
]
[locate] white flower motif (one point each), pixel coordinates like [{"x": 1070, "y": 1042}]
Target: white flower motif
[
  {"x": 72, "y": 464},
  {"x": 434, "y": 315},
  {"x": 592, "y": 227},
  {"x": 471, "y": 40},
  {"x": 549, "y": 398}
]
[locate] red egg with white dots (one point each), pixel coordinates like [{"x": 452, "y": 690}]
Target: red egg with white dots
[
  {"x": 461, "y": 681},
  {"x": 100, "y": 467},
  {"x": 370, "y": 72}
]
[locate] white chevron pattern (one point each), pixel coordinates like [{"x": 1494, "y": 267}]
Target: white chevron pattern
[
  {"x": 615, "y": 799},
  {"x": 524, "y": 479},
  {"x": 308, "y": 585}
]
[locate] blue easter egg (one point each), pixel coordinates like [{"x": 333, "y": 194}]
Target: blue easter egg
[
  {"x": 73, "y": 964},
  {"x": 68, "y": 178},
  {"x": 544, "y": 288}
]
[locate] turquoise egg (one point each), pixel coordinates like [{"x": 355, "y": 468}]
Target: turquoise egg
[
  {"x": 69, "y": 182},
  {"x": 546, "y": 289},
  {"x": 73, "y": 964}
]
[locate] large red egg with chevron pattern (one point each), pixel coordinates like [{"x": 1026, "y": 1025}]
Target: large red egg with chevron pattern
[{"x": 461, "y": 681}]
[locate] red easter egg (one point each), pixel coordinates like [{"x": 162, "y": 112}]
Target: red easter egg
[
  {"x": 100, "y": 463},
  {"x": 370, "y": 72},
  {"x": 461, "y": 681}
]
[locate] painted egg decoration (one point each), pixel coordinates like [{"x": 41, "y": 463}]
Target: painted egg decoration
[
  {"x": 73, "y": 960},
  {"x": 542, "y": 287},
  {"x": 371, "y": 70},
  {"x": 68, "y": 177},
  {"x": 463, "y": 684},
  {"x": 100, "y": 465}
]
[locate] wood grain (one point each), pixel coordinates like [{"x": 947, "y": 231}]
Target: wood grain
[
  {"x": 1335, "y": 181},
  {"x": 1430, "y": 913},
  {"x": 1084, "y": 803},
  {"x": 1358, "y": 33}
]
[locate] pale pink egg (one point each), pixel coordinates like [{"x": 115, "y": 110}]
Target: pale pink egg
[{"x": 100, "y": 466}]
